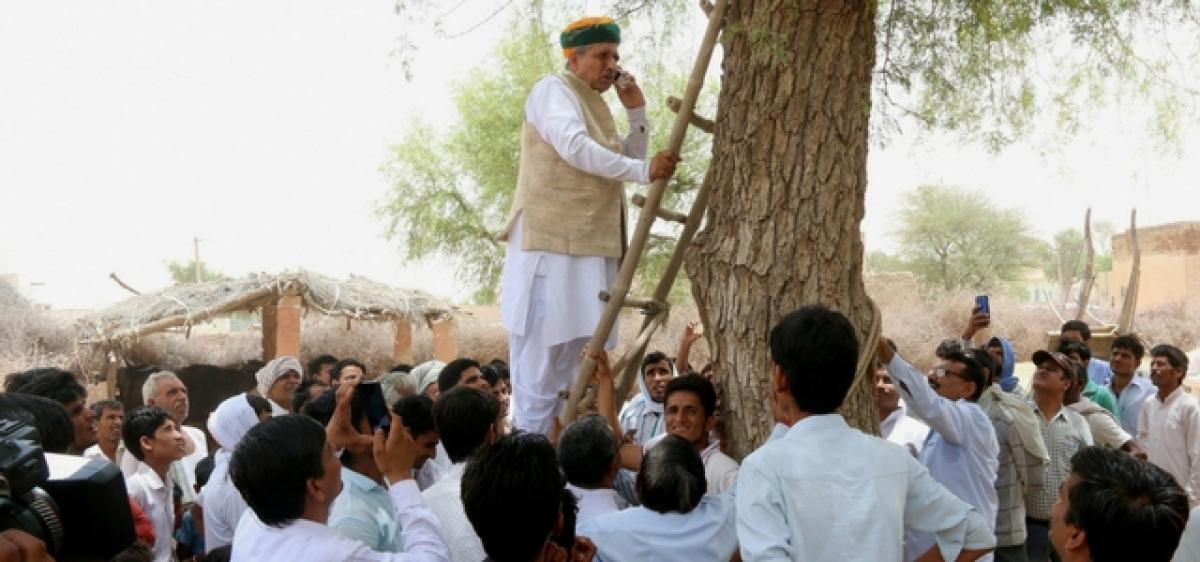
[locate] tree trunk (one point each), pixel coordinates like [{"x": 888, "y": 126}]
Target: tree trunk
[{"x": 789, "y": 162}]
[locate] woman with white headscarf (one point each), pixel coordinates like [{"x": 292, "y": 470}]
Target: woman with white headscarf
[
  {"x": 427, "y": 375},
  {"x": 277, "y": 382},
  {"x": 222, "y": 503}
]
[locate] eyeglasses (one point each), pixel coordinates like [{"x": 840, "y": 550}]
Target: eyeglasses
[{"x": 941, "y": 373}]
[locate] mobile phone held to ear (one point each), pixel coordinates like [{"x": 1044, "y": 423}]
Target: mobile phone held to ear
[
  {"x": 621, "y": 79},
  {"x": 374, "y": 404},
  {"x": 982, "y": 305}
]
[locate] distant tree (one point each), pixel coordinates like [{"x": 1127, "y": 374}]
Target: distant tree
[
  {"x": 957, "y": 239},
  {"x": 882, "y": 262},
  {"x": 183, "y": 273}
]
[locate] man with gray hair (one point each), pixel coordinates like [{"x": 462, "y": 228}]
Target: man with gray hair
[
  {"x": 676, "y": 521},
  {"x": 587, "y": 451},
  {"x": 165, "y": 390}
]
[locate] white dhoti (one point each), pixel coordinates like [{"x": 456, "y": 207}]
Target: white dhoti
[{"x": 550, "y": 305}]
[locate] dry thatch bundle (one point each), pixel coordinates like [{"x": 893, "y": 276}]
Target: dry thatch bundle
[{"x": 191, "y": 304}]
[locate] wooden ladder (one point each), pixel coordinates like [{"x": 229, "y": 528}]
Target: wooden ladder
[{"x": 617, "y": 297}]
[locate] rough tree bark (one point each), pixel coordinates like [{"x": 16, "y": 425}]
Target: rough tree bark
[{"x": 789, "y": 162}]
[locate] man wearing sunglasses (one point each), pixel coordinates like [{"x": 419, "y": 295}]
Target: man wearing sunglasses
[{"x": 961, "y": 451}]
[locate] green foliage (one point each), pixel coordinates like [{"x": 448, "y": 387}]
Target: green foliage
[
  {"x": 451, "y": 192},
  {"x": 954, "y": 239},
  {"x": 991, "y": 69},
  {"x": 183, "y": 273},
  {"x": 1069, "y": 251},
  {"x": 882, "y": 262}
]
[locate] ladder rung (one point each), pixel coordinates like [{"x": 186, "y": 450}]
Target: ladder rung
[
  {"x": 648, "y": 306},
  {"x": 640, "y": 201}
]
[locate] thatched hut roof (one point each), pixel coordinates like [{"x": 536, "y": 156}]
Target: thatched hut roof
[{"x": 193, "y": 303}]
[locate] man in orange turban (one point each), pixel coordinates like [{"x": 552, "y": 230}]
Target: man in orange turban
[{"x": 566, "y": 229}]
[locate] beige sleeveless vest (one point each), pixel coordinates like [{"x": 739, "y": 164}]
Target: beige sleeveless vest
[{"x": 566, "y": 210}]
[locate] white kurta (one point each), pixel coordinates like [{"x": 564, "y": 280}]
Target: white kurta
[
  {"x": 1170, "y": 432},
  {"x": 548, "y": 301}
]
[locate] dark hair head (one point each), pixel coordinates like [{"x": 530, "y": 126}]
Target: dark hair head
[
  {"x": 1130, "y": 343},
  {"x": 463, "y": 418},
  {"x": 99, "y": 407},
  {"x": 512, "y": 494},
  {"x": 586, "y": 449},
  {"x": 273, "y": 463},
  {"x": 672, "y": 477},
  {"x": 971, "y": 371},
  {"x": 1077, "y": 326},
  {"x": 303, "y": 393},
  {"x": 1175, "y": 356},
  {"x": 494, "y": 373},
  {"x": 401, "y": 368},
  {"x": 143, "y": 421},
  {"x": 818, "y": 353},
  {"x": 652, "y": 358},
  {"x": 1117, "y": 497},
  {"x": 52, "y": 422},
  {"x": 56, "y": 384},
  {"x": 698, "y": 385},
  {"x": 204, "y": 469},
  {"x": 1068, "y": 347},
  {"x": 987, "y": 363},
  {"x": 417, "y": 412},
  {"x": 336, "y": 374},
  {"x": 453, "y": 371},
  {"x": 316, "y": 363}
]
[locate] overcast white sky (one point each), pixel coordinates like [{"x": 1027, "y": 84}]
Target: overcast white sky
[{"x": 127, "y": 128}]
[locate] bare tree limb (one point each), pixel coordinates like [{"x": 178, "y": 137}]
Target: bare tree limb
[
  {"x": 1089, "y": 274},
  {"x": 702, "y": 123},
  {"x": 114, "y": 277}
]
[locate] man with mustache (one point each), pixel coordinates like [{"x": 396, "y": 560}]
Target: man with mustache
[{"x": 566, "y": 228}]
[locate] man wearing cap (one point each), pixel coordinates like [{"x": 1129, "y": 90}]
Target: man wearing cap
[
  {"x": 566, "y": 229},
  {"x": 961, "y": 451},
  {"x": 1064, "y": 432}
]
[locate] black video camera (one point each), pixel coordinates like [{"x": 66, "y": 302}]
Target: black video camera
[{"x": 76, "y": 506}]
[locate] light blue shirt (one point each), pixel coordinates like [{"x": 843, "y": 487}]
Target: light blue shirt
[
  {"x": 364, "y": 512},
  {"x": 1130, "y": 401},
  {"x": 708, "y": 532},
  {"x": 825, "y": 492},
  {"x": 961, "y": 451},
  {"x": 1099, "y": 371}
]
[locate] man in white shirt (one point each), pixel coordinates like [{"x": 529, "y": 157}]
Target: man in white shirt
[
  {"x": 642, "y": 417},
  {"x": 110, "y": 415},
  {"x": 1116, "y": 507},
  {"x": 853, "y": 500},
  {"x": 678, "y": 520},
  {"x": 288, "y": 472},
  {"x": 691, "y": 404},
  {"x": 151, "y": 437},
  {"x": 465, "y": 418},
  {"x": 962, "y": 452},
  {"x": 278, "y": 379},
  {"x": 565, "y": 231},
  {"x": 222, "y": 504},
  {"x": 1170, "y": 424},
  {"x": 895, "y": 424},
  {"x": 1064, "y": 432},
  {"x": 165, "y": 390},
  {"x": 587, "y": 451}
]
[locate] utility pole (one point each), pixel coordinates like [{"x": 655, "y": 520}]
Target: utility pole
[{"x": 196, "y": 260}]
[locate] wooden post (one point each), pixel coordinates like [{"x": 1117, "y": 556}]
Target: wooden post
[
  {"x": 445, "y": 345},
  {"x": 281, "y": 328},
  {"x": 112, "y": 368},
  {"x": 402, "y": 341}
]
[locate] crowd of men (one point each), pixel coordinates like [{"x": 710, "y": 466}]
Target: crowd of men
[
  {"x": 1093, "y": 461},
  {"x": 964, "y": 470}
]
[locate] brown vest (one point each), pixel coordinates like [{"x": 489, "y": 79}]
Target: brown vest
[{"x": 566, "y": 210}]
